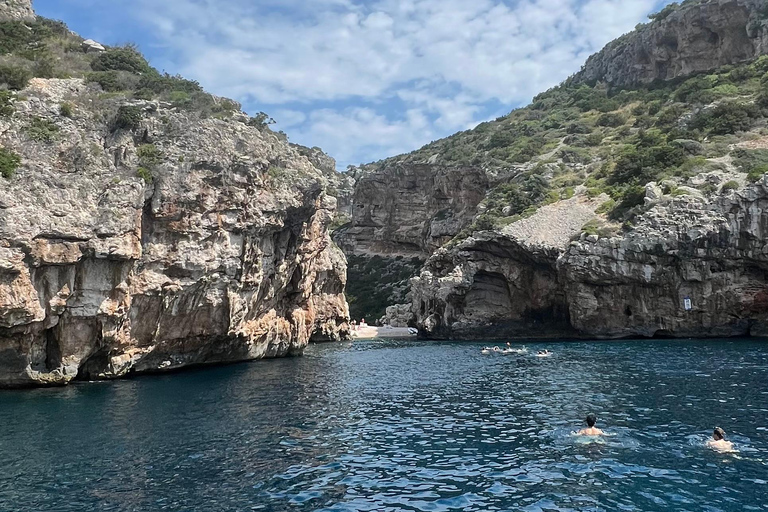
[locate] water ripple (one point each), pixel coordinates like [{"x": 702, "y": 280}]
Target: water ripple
[{"x": 403, "y": 426}]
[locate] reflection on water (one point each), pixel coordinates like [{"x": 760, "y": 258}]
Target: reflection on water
[{"x": 403, "y": 426}]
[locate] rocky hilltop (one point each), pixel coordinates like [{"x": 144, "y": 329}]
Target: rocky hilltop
[
  {"x": 16, "y": 10},
  {"x": 600, "y": 208},
  {"x": 699, "y": 35},
  {"x": 146, "y": 225}
]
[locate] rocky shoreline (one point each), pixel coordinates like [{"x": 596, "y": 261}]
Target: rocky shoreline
[
  {"x": 713, "y": 253},
  {"x": 222, "y": 253}
]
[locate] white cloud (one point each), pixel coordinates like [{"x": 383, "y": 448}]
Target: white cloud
[{"x": 439, "y": 61}]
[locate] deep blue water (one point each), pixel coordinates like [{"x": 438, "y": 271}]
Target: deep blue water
[{"x": 402, "y": 426}]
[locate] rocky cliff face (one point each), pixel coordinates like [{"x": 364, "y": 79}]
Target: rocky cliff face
[
  {"x": 220, "y": 251},
  {"x": 411, "y": 209},
  {"x": 17, "y": 10},
  {"x": 709, "y": 251},
  {"x": 698, "y": 36}
]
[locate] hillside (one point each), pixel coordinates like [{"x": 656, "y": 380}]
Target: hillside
[
  {"x": 615, "y": 147},
  {"x": 146, "y": 225}
]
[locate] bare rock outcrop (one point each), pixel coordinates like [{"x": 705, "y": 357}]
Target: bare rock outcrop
[
  {"x": 16, "y": 10},
  {"x": 698, "y": 36},
  {"x": 411, "y": 209},
  {"x": 691, "y": 267},
  {"x": 219, "y": 252}
]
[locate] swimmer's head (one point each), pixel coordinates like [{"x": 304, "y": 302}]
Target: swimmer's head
[
  {"x": 591, "y": 420},
  {"x": 718, "y": 434}
]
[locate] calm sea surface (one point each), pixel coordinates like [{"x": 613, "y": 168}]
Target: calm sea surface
[{"x": 387, "y": 425}]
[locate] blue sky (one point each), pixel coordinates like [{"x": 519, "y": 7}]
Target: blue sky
[{"x": 363, "y": 79}]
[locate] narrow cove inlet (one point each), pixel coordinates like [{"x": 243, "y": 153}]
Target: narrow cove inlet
[
  {"x": 487, "y": 256},
  {"x": 403, "y": 426}
]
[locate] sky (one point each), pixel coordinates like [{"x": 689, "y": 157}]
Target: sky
[{"x": 363, "y": 79}]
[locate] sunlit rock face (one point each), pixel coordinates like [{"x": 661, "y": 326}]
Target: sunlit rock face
[
  {"x": 16, "y": 10},
  {"x": 219, "y": 252},
  {"x": 699, "y": 36},
  {"x": 710, "y": 252}
]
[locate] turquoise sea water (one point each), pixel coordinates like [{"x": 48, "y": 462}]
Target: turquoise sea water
[{"x": 401, "y": 425}]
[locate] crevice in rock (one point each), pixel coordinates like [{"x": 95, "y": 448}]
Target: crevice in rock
[
  {"x": 94, "y": 365},
  {"x": 147, "y": 223},
  {"x": 52, "y": 350}
]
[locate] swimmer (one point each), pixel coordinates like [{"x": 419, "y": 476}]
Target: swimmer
[
  {"x": 718, "y": 441},
  {"x": 591, "y": 430}
]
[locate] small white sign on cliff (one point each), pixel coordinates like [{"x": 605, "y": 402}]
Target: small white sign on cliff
[{"x": 687, "y": 304}]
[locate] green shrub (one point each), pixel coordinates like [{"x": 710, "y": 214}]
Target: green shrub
[
  {"x": 578, "y": 128},
  {"x": 166, "y": 83},
  {"x": 627, "y": 199},
  {"x": 44, "y": 67},
  {"x": 665, "y": 12},
  {"x": 6, "y": 103},
  {"x": 640, "y": 165},
  {"x": 42, "y": 130},
  {"x": 594, "y": 139},
  {"x": 574, "y": 156},
  {"x": 9, "y": 162},
  {"x": 611, "y": 120},
  {"x": 123, "y": 58},
  {"x": 730, "y": 185},
  {"x": 726, "y": 118},
  {"x": 587, "y": 98},
  {"x": 149, "y": 155},
  {"x": 15, "y": 77},
  {"x": 145, "y": 174},
  {"x": 606, "y": 206},
  {"x": 261, "y": 121},
  {"x": 670, "y": 116},
  {"x": 757, "y": 172},
  {"x": 113, "y": 81},
  {"x": 67, "y": 109},
  {"x": 180, "y": 99},
  {"x": 24, "y": 37},
  {"x": 128, "y": 117},
  {"x": 753, "y": 162}
]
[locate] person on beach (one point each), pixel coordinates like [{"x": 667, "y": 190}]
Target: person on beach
[
  {"x": 718, "y": 441},
  {"x": 591, "y": 430}
]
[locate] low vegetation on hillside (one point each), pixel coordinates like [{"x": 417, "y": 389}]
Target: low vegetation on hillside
[
  {"x": 47, "y": 49},
  {"x": 373, "y": 283},
  {"x": 613, "y": 141}
]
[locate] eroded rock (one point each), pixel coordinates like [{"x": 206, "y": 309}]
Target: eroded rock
[
  {"x": 711, "y": 252},
  {"x": 698, "y": 36},
  {"x": 224, "y": 255}
]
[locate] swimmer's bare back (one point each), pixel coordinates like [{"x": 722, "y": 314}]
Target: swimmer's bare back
[
  {"x": 721, "y": 446},
  {"x": 590, "y": 432}
]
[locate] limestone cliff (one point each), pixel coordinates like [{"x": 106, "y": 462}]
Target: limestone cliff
[
  {"x": 216, "y": 249},
  {"x": 401, "y": 213},
  {"x": 712, "y": 252},
  {"x": 596, "y": 210},
  {"x": 17, "y": 10},
  {"x": 698, "y": 36},
  {"x": 411, "y": 208}
]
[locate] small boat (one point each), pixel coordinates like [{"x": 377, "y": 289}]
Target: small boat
[{"x": 543, "y": 353}]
